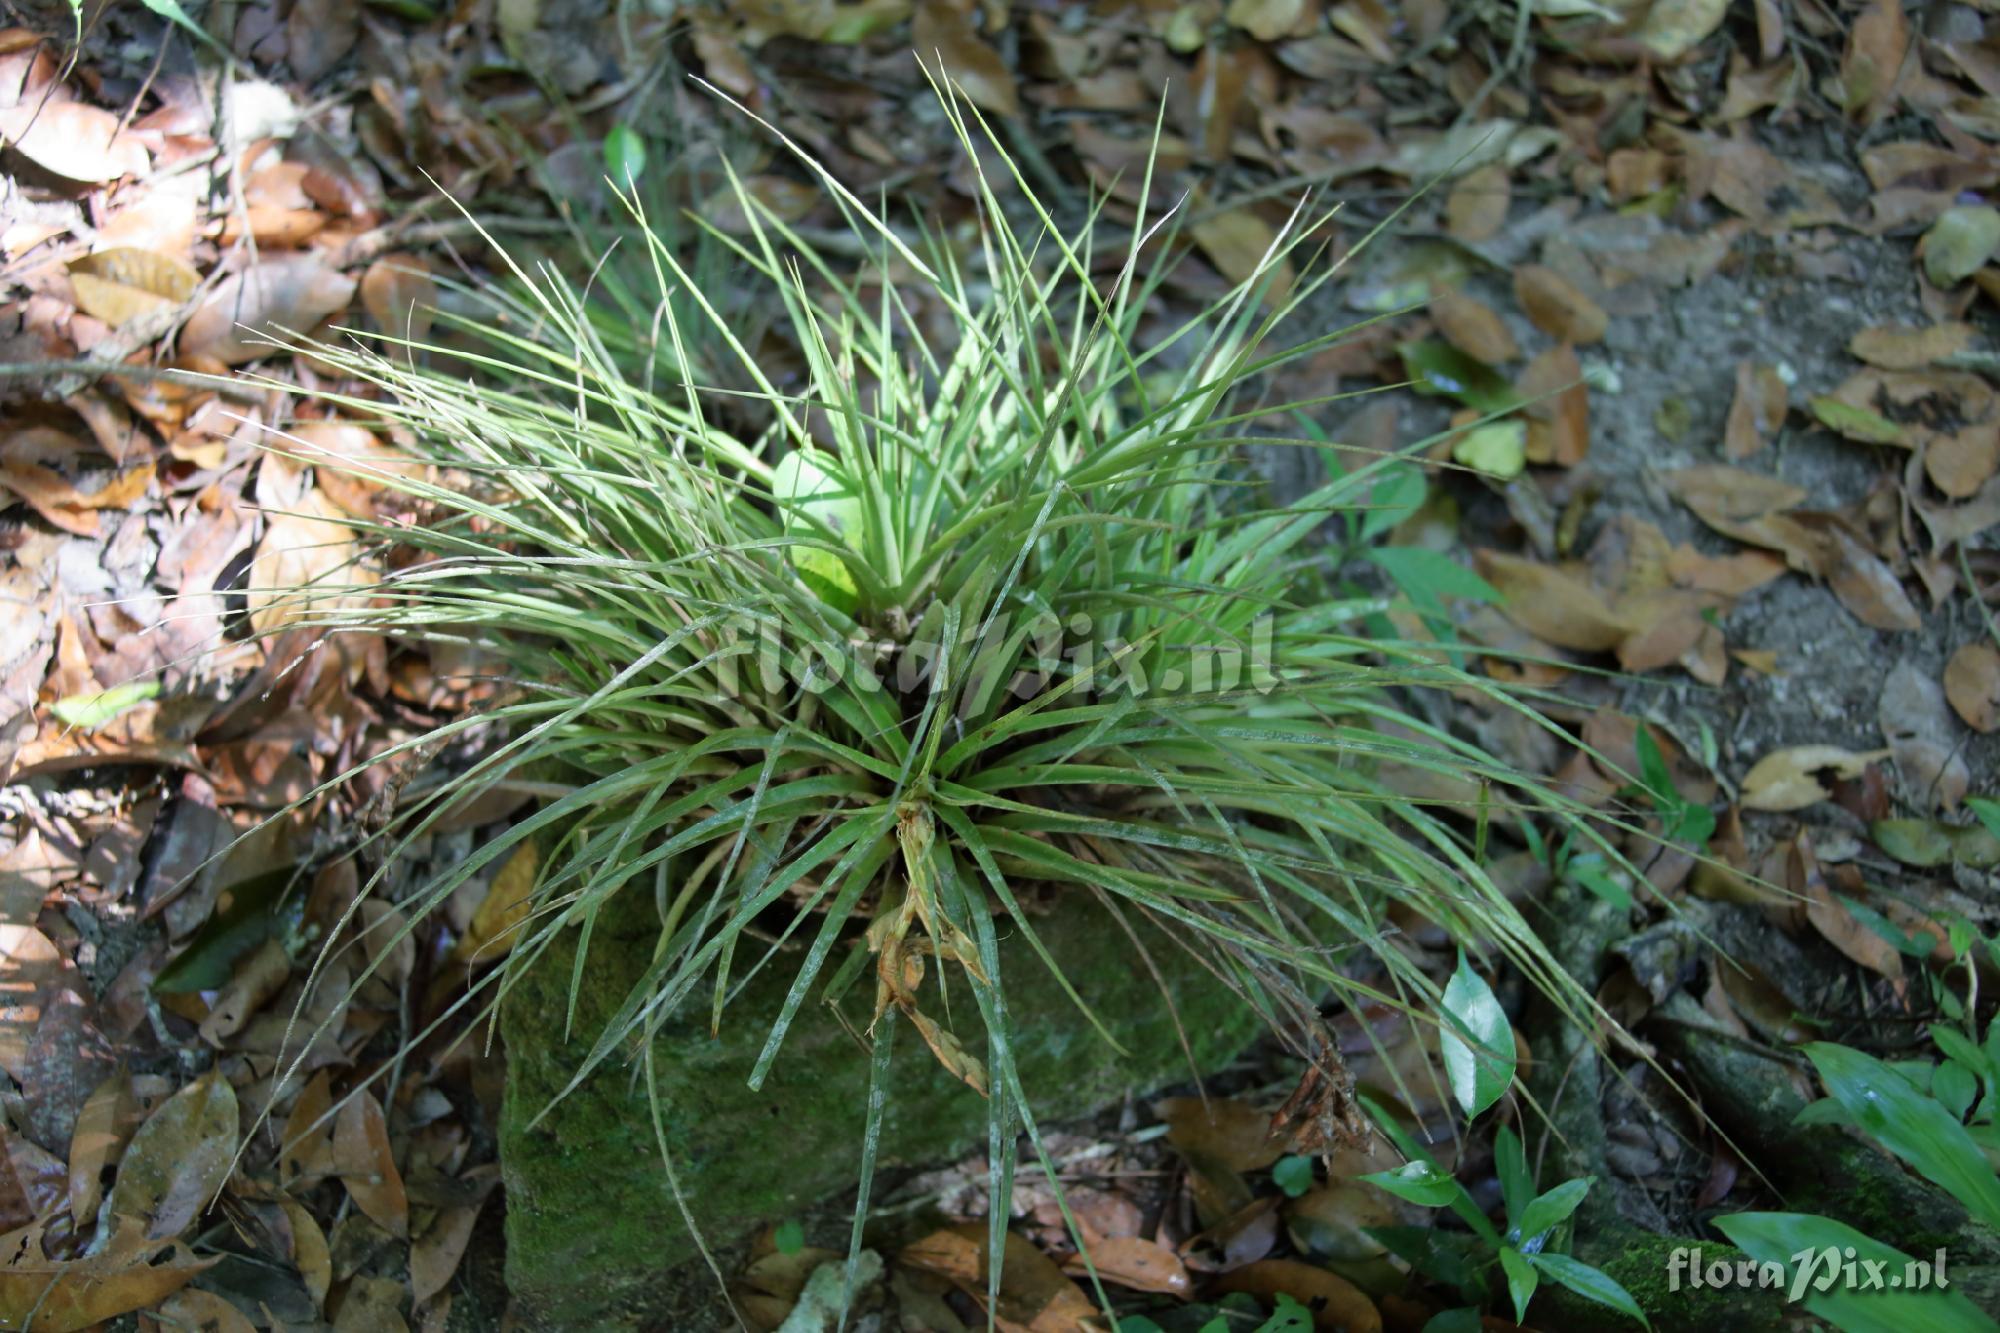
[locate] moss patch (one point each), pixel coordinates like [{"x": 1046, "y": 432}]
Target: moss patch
[{"x": 592, "y": 1229}]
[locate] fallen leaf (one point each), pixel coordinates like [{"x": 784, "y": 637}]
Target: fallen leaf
[
  {"x": 1791, "y": 778},
  {"x": 1873, "y": 61},
  {"x": 1335, "y": 1303},
  {"x": 1972, "y": 685},
  {"x": 362, "y": 1156},
  {"x": 400, "y": 295},
  {"x": 1498, "y": 448},
  {"x": 1331, "y": 1220},
  {"x": 1557, "y": 407},
  {"x": 1836, "y": 924},
  {"x": 435, "y": 1254},
  {"x": 68, "y": 1296},
  {"x": 506, "y": 905},
  {"x": 1266, "y": 20},
  {"x": 1894, "y": 348},
  {"x": 310, "y": 1254},
  {"x": 306, "y": 1146},
  {"x": 1856, "y": 423},
  {"x": 1476, "y": 208},
  {"x": 103, "y": 1127},
  {"x": 179, "y": 1158},
  {"x": 317, "y": 34},
  {"x": 1757, "y": 410},
  {"x": 944, "y": 32},
  {"x": 237, "y": 321},
  {"x": 1552, "y": 604},
  {"x": 1959, "y": 464},
  {"x": 1960, "y": 242},
  {"x": 259, "y": 975},
  {"x": 1236, "y": 242},
  {"x": 33, "y": 463},
  {"x": 124, "y": 284},
  {"x": 1865, "y": 584},
  {"x": 1675, "y": 27},
  {"x": 75, "y": 141},
  {"x": 1235, "y": 1135},
  {"x": 307, "y": 563},
  {"x": 371, "y": 1305},
  {"x": 1472, "y": 327},
  {"x": 1139, "y": 1264},
  {"x": 1035, "y": 1295},
  {"x": 1557, "y": 306},
  {"x": 1917, "y": 723},
  {"x": 197, "y": 1311}
]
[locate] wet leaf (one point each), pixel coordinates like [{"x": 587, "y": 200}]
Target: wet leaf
[
  {"x": 362, "y": 1156},
  {"x": 1557, "y": 306},
  {"x": 238, "y": 319},
  {"x": 1960, "y": 242},
  {"x": 1972, "y": 685},
  {"x": 1794, "y": 778},
  {"x": 179, "y": 1159},
  {"x": 1476, "y": 1041}
]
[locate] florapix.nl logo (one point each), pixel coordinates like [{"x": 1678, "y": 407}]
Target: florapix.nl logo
[{"x": 1810, "y": 1270}]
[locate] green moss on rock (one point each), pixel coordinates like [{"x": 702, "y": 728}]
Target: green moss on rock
[{"x": 592, "y": 1228}]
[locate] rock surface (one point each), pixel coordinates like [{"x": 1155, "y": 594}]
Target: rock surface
[{"x": 593, "y": 1232}]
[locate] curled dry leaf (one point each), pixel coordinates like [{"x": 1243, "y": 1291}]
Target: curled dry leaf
[
  {"x": 1471, "y": 326},
  {"x": 1831, "y": 918},
  {"x": 1972, "y": 685},
  {"x": 1794, "y": 778},
  {"x": 306, "y": 1147},
  {"x": 258, "y": 977},
  {"x": 362, "y": 1156},
  {"x": 1557, "y": 306},
  {"x": 1034, "y": 1293},
  {"x": 74, "y": 141},
  {"x": 1553, "y": 604},
  {"x": 238, "y": 319},
  {"x": 179, "y": 1158}
]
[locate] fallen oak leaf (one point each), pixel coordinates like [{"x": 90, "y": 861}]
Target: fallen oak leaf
[
  {"x": 72, "y": 1295},
  {"x": 1790, "y": 779},
  {"x": 179, "y": 1158},
  {"x": 1553, "y": 604},
  {"x": 1757, "y": 410}
]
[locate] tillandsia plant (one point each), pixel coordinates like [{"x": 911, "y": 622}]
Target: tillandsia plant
[{"x": 962, "y": 614}]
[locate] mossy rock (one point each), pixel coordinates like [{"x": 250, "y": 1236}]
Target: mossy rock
[{"x": 593, "y": 1233}]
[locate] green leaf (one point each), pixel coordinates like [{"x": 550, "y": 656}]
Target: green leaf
[
  {"x": 1910, "y": 1125},
  {"x": 1591, "y": 872},
  {"x": 1392, "y": 497},
  {"x": 91, "y": 711},
  {"x": 1521, "y": 1280},
  {"x": 1294, "y": 1175},
  {"x": 1587, "y": 1282},
  {"x": 624, "y": 156},
  {"x": 1452, "y": 1258},
  {"x": 1779, "y": 1238},
  {"x": 1465, "y": 1319},
  {"x": 1955, "y": 1088},
  {"x": 1914, "y": 842},
  {"x": 1290, "y": 1317},
  {"x": 1856, "y": 423},
  {"x": 1425, "y": 573},
  {"x": 1510, "y": 1164},
  {"x": 1554, "y": 1206},
  {"x": 1476, "y": 1041},
  {"x": 1959, "y": 243},
  {"x": 251, "y": 913},
  {"x": 1417, "y": 1182},
  {"x": 789, "y": 1237},
  {"x": 1987, "y": 811},
  {"x": 1439, "y": 368},
  {"x": 171, "y": 11},
  {"x": 1497, "y": 448}
]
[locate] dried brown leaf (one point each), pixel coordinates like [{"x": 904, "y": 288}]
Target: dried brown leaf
[
  {"x": 362, "y": 1156},
  {"x": 1557, "y": 306},
  {"x": 1476, "y": 208},
  {"x": 75, "y": 141},
  {"x": 1972, "y": 685},
  {"x": 179, "y": 1159},
  {"x": 237, "y": 320},
  {"x": 1556, "y": 605},
  {"x": 1471, "y": 326}
]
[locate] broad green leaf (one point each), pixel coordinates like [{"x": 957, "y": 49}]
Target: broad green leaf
[
  {"x": 1465, "y": 1319},
  {"x": 1497, "y": 448},
  {"x": 1293, "y": 1175},
  {"x": 1476, "y": 1040},
  {"x": 1439, "y": 368},
  {"x": 1987, "y": 811},
  {"x": 1392, "y": 497},
  {"x": 1521, "y": 1280},
  {"x": 1420, "y": 1183},
  {"x": 1959, "y": 243},
  {"x": 789, "y": 1237},
  {"x": 1552, "y": 1207},
  {"x": 1517, "y": 1182},
  {"x": 1592, "y": 873},
  {"x": 1421, "y": 572},
  {"x": 91, "y": 711},
  {"x": 1856, "y": 423},
  {"x": 624, "y": 156},
  {"x": 1910, "y": 1125},
  {"x": 1819, "y": 1282},
  {"x": 1955, "y": 1088},
  {"x": 1589, "y": 1283}
]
